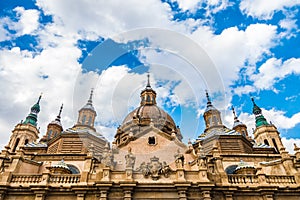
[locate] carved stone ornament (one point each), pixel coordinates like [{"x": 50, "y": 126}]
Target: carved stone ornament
[{"x": 154, "y": 168}]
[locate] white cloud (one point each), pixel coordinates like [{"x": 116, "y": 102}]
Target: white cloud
[
  {"x": 274, "y": 70},
  {"x": 212, "y": 6},
  {"x": 290, "y": 25},
  {"x": 28, "y": 21},
  {"x": 288, "y": 143},
  {"x": 106, "y": 19},
  {"x": 250, "y": 45},
  {"x": 264, "y": 9},
  {"x": 279, "y": 119}
]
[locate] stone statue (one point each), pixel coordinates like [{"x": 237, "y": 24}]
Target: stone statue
[
  {"x": 108, "y": 158},
  {"x": 179, "y": 159},
  {"x": 130, "y": 159},
  {"x": 165, "y": 169}
]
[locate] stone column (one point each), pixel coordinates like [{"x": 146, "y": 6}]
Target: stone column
[
  {"x": 228, "y": 195},
  {"x": 267, "y": 196},
  {"x": 103, "y": 195},
  {"x": 40, "y": 196},
  {"x": 2, "y": 195},
  {"x": 80, "y": 196},
  {"x": 127, "y": 189},
  {"x": 206, "y": 195},
  {"x": 182, "y": 188},
  {"x": 182, "y": 195}
]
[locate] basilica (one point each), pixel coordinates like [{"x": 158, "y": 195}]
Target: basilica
[{"x": 147, "y": 159}]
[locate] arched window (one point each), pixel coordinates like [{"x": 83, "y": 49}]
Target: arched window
[
  {"x": 243, "y": 133},
  {"x": 215, "y": 120},
  {"x": 148, "y": 99},
  {"x": 83, "y": 119},
  {"x": 90, "y": 121},
  {"x": 49, "y": 134},
  {"x": 16, "y": 144},
  {"x": 210, "y": 121},
  {"x": 230, "y": 169},
  {"x": 74, "y": 169},
  {"x": 26, "y": 142},
  {"x": 266, "y": 142},
  {"x": 275, "y": 145}
]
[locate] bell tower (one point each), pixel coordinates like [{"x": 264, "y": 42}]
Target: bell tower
[
  {"x": 238, "y": 126},
  {"x": 266, "y": 133},
  {"x": 54, "y": 128},
  {"x": 87, "y": 115},
  {"x": 25, "y": 132},
  {"x": 212, "y": 116}
]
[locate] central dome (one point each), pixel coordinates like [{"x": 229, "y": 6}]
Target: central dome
[{"x": 146, "y": 115}]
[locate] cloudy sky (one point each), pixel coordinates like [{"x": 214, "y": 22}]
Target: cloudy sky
[{"x": 233, "y": 49}]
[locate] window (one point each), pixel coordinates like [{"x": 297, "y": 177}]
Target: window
[
  {"x": 151, "y": 140},
  {"x": 26, "y": 142},
  {"x": 266, "y": 142},
  {"x": 215, "y": 120},
  {"x": 230, "y": 169},
  {"x": 49, "y": 134},
  {"x": 83, "y": 119},
  {"x": 74, "y": 170},
  {"x": 90, "y": 121},
  {"x": 243, "y": 133},
  {"x": 275, "y": 145},
  {"x": 16, "y": 144}
]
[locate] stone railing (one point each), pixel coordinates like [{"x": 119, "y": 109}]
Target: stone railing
[
  {"x": 242, "y": 179},
  {"x": 280, "y": 179},
  {"x": 52, "y": 178},
  {"x": 25, "y": 178},
  {"x": 66, "y": 178}
]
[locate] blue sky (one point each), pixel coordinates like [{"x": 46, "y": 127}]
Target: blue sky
[{"x": 234, "y": 49}]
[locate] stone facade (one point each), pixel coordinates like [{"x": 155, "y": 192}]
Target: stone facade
[{"x": 147, "y": 159}]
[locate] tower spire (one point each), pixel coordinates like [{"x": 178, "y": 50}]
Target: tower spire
[
  {"x": 38, "y": 102},
  {"x": 234, "y": 115},
  {"x": 208, "y": 99},
  {"x": 32, "y": 116},
  {"x": 259, "y": 118},
  {"x": 90, "y": 101},
  {"x": 148, "y": 81},
  {"x": 59, "y": 114}
]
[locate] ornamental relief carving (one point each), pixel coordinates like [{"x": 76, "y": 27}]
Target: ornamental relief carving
[{"x": 154, "y": 169}]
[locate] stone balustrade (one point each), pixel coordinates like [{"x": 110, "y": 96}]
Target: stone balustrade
[
  {"x": 239, "y": 179},
  {"x": 280, "y": 179},
  {"x": 25, "y": 178},
  {"x": 242, "y": 179},
  {"x": 66, "y": 178},
  {"x": 53, "y": 179}
]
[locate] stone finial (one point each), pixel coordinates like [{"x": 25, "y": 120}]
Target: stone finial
[{"x": 296, "y": 148}]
